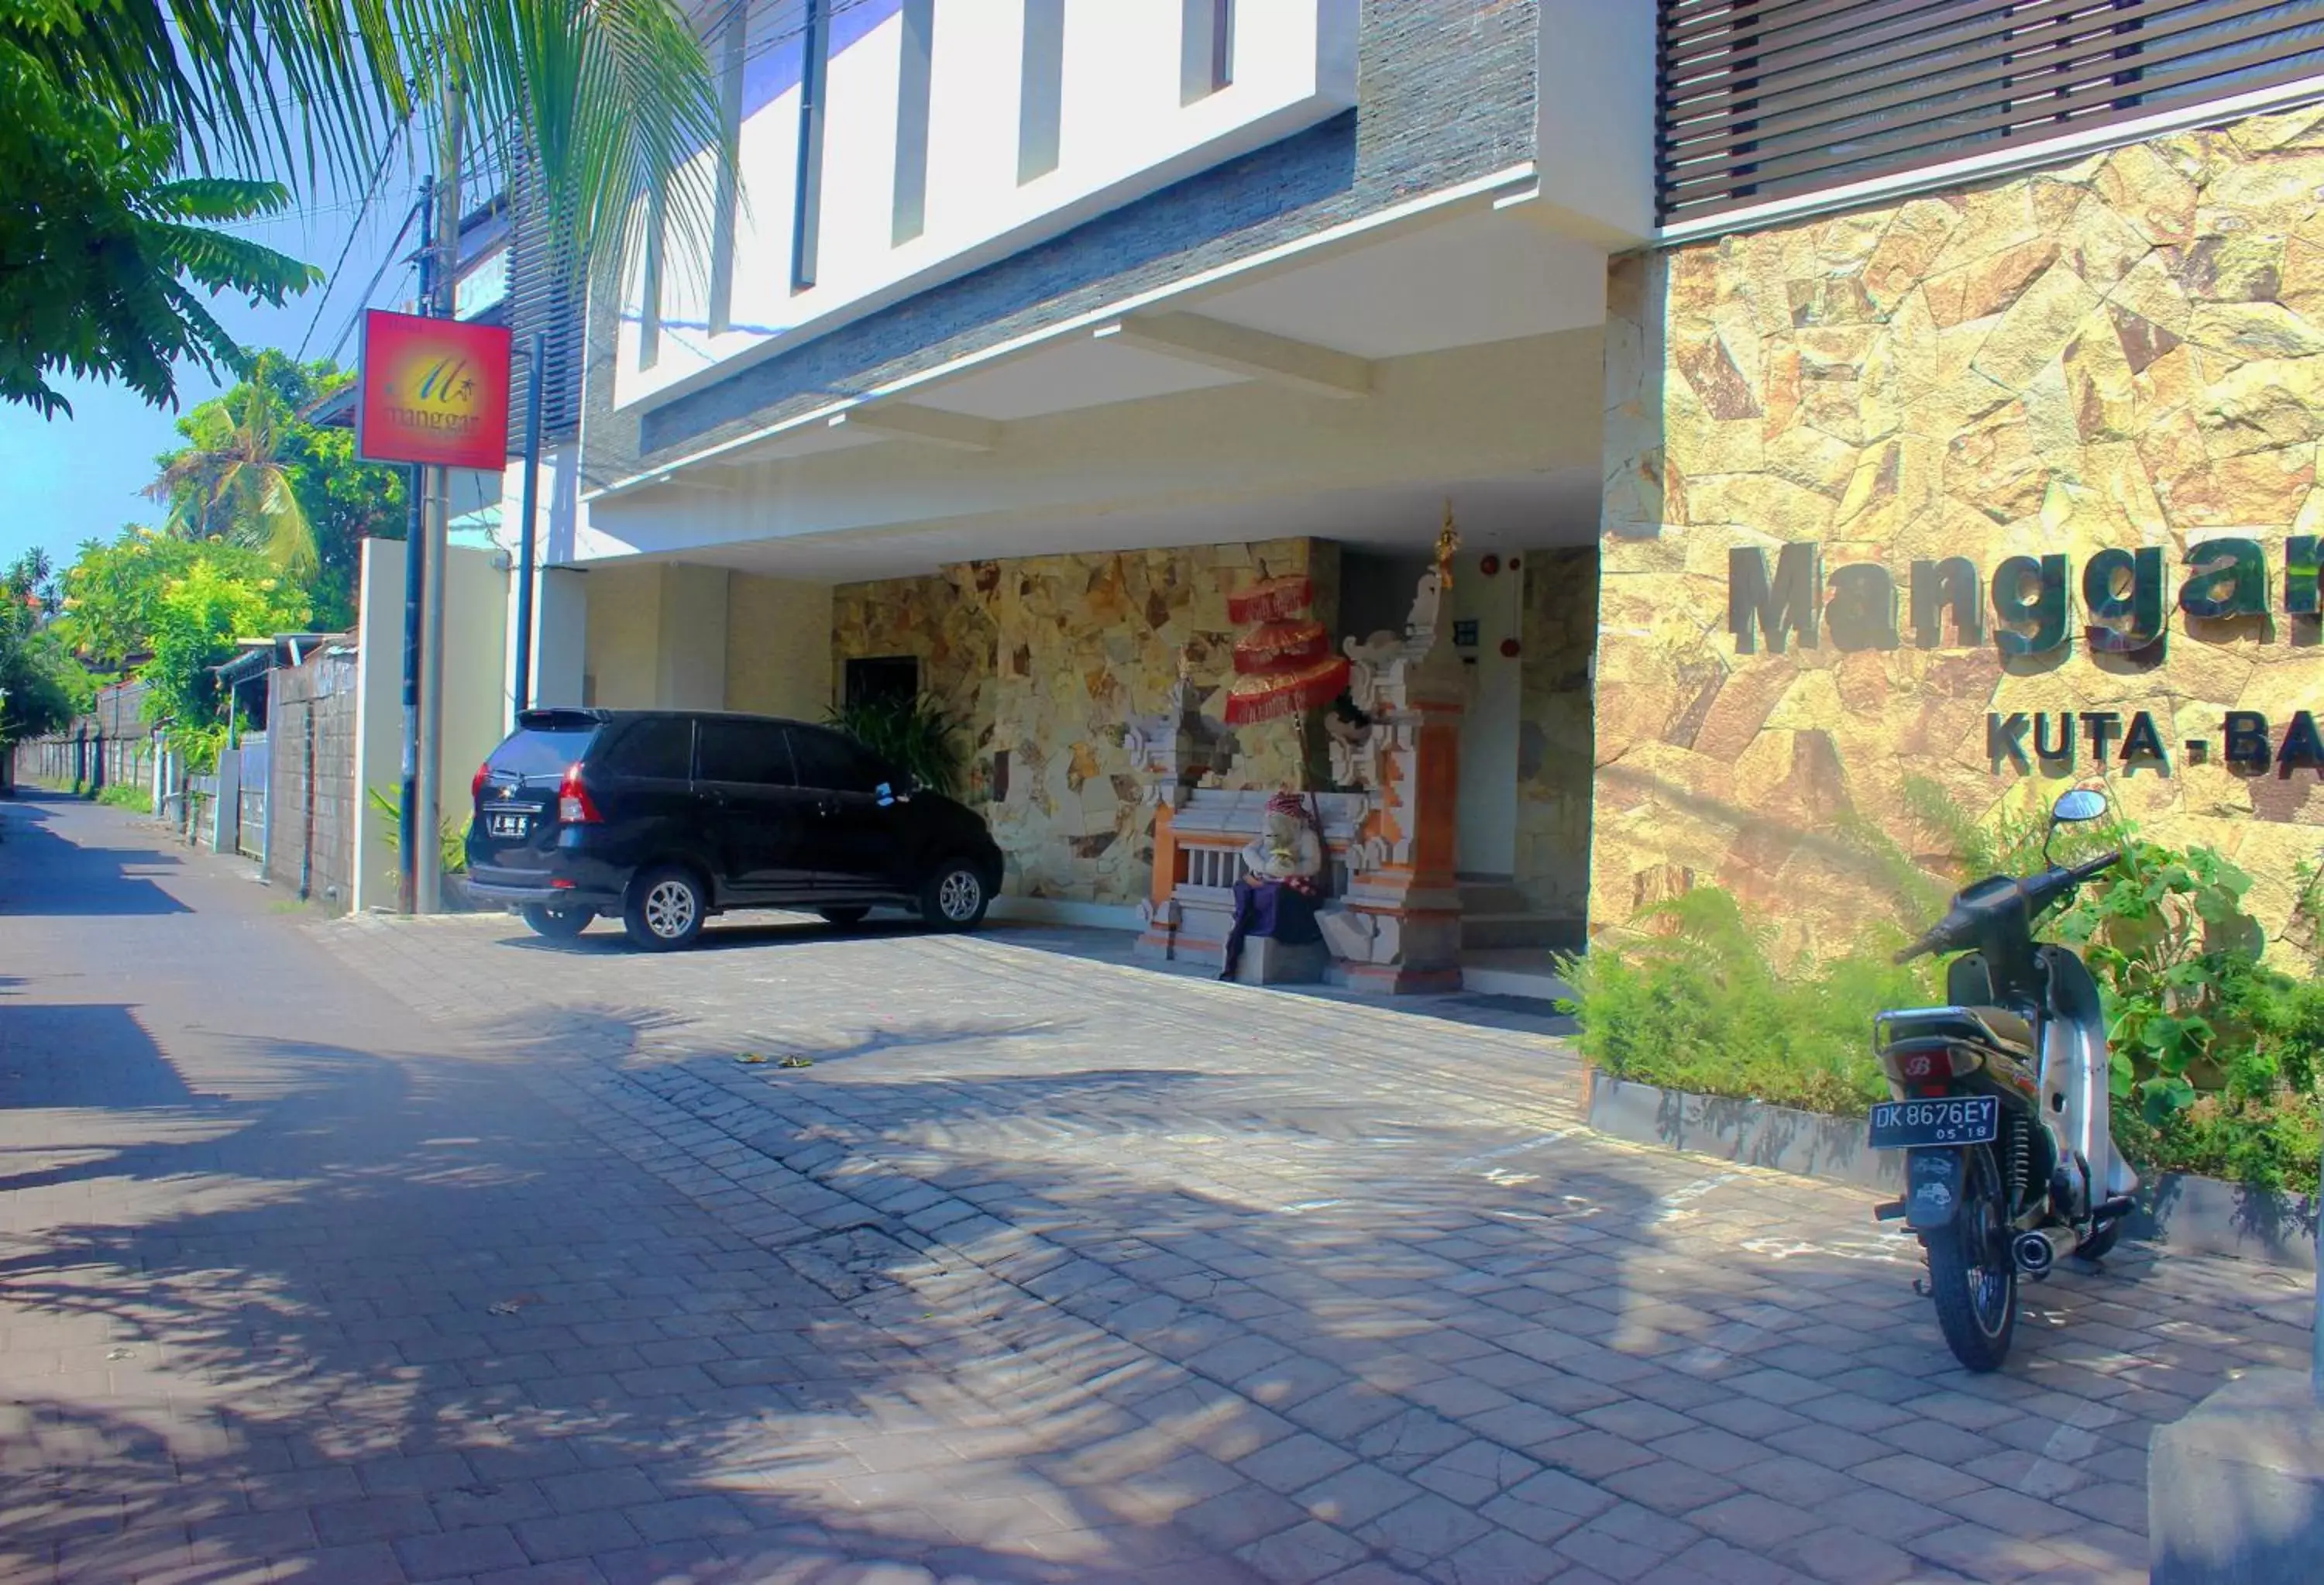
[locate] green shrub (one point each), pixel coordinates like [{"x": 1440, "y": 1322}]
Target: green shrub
[
  {"x": 2218, "y": 1058},
  {"x": 916, "y": 736},
  {"x": 1696, "y": 1004},
  {"x": 452, "y": 840},
  {"x": 127, "y": 796}
]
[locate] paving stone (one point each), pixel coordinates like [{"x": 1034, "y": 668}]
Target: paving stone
[
  {"x": 574, "y": 1535},
  {"x": 1755, "y": 1523},
  {"x": 1305, "y": 1553},
  {"x": 1296, "y": 1461},
  {"x": 459, "y": 1552},
  {"x": 1426, "y": 1528},
  {"x": 1355, "y": 1496},
  {"x": 376, "y": 1518},
  {"x": 1849, "y": 1557},
  {"x": 1669, "y": 1486}
]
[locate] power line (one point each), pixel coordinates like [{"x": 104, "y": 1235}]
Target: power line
[
  {"x": 377, "y": 275},
  {"x": 331, "y": 281}
]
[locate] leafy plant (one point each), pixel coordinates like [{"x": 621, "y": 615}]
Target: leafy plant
[
  {"x": 2191, "y": 1007},
  {"x": 1695, "y": 1003},
  {"x": 193, "y": 627},
  {"x": 127, "y": 796},
  {"x": 916, "y": 735},
  {"x": 453, "y": 839}
]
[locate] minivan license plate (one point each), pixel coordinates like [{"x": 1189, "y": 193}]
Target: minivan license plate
[
  {"x": 1950, "y": 1119},
  {"x": 500, "y": 824}
]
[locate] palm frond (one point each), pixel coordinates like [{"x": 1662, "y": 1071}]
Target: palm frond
[
  {"x": 615, "y": 99},
  {"x": 224, "y": 263}
]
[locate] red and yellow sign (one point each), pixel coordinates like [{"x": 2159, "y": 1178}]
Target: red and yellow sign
[{"x": 435, "y": 391}]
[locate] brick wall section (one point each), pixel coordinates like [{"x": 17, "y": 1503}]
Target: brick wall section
[
  {"x": 314, "y": 816},
  {"x": 1445, "y": 94}
]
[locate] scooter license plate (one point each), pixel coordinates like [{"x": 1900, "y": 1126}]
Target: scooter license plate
[{"x": 1949, "y": 1119}]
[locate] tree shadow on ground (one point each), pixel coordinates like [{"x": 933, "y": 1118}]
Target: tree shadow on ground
[{"x": 393, "y": 1319}]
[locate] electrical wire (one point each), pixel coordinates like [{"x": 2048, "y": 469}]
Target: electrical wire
[
  {"x": 379, "y": 274},
  {"x": 331, "y": 281}
]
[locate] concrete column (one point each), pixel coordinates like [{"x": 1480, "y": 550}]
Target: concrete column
[
  {"x": 691, "y": 653},
  {"x": 560, "y": 626}
]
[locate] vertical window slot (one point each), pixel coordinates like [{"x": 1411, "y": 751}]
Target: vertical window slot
[
  {"x": 911, "y": 207},
  {"x": 1205, "y": 48},
  {"x": 1041, "y": 99},
  {"x": 806, "y": 200}
]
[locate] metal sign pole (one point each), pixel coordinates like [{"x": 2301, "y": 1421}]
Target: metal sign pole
[
  {"x": 438, "y": 524},
  {"x": 535, "y": 363}
]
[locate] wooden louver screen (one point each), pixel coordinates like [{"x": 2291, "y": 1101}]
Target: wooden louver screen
[{"x": 1765, "y": 99}]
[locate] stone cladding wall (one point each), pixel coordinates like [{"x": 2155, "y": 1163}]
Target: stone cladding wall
[
  {"x": 2119, "y": 353},
  {"x": 1046, "y": 657}
]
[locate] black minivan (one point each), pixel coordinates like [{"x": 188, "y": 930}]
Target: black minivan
[{"x": 665, "y": 817}]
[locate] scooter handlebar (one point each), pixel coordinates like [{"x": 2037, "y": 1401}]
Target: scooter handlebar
[
  {"x": 2096, "y": 867},
  {"x": 2038, "y": 891}
]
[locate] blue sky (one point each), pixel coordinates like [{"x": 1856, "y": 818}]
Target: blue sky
[{"x": 67, "y": 480}]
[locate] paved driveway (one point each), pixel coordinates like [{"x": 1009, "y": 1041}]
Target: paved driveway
[{"x": 414, "y": 1250}]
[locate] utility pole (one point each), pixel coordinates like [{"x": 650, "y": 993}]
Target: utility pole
[
  {"x": 430, "y": 873},
  {"x": 415, "y": 576}
]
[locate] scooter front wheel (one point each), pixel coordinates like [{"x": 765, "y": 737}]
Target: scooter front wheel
[{"x": 1971, "y": 1274}]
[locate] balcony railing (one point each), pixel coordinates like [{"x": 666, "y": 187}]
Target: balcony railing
[{"x": 1762, "y": 100}]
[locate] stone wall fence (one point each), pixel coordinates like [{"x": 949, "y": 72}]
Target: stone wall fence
[{"x": 313, "y": 801}]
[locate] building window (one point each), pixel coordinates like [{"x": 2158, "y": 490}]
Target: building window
[
  {"x": 807, "y": 199},
  {"x": 1042, "y": 98},
  {"x": 882, "y": 680},
  {"x": 649, "y": 287},
  {"x": 730, "y": 121},
  {"x": 911, "y": 217},
  {"x": 1205, "y": 48}
]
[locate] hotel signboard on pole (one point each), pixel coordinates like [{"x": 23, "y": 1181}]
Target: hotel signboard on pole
[{"x": 434, "y": 392}]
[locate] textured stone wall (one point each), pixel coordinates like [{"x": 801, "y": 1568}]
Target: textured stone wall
[
  {"x": 318, "y": 699},
  {"x": 1046, "y": 657},
  {"x": 1557, "y": 633},
  {"x": 2123, "y": 353}
]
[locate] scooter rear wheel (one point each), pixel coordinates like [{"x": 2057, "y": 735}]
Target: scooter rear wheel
[{"x": 1971, "y": 1274}]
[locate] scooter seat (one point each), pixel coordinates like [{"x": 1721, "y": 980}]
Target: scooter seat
[
  {"x": 1996, "y": 1027},
  {"x": 2011, "y": 1027}
]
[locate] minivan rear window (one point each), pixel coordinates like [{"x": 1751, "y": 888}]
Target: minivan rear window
[{"x": 532, "y": 752}]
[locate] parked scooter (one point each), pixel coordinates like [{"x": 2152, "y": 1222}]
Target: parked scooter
[{"x": 2002, "y": 1104}]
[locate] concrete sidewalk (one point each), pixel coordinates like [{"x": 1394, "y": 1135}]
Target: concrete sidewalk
[{"x": 410, "y": 1250}]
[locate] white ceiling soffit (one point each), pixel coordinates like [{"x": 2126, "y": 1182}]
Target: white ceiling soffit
[
  {"x": 1479, "y": 278},
  {"x": 1068, "y": 374},
  {"x": 1484, "y": 276},
  {"x": 805, "y": 441},
  {"x": 1524, "y": 511}
]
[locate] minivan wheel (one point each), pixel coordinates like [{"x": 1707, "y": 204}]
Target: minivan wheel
[
  {"x": 665, "y": 908},
  {"x": 557, "y": 924},
  {"x": 955, "y": 897}
]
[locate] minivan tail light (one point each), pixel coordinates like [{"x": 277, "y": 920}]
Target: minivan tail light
[
  {"x": 574, "y": 806},
  {"x": 477, "y": 788}
]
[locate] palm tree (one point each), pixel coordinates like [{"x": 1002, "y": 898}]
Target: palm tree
[
  {"x": 230, "y": 481},
  {"x": 609, "y": 105}
]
